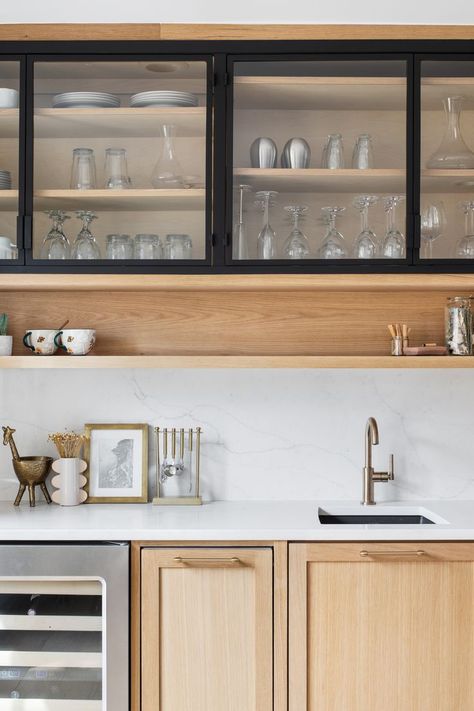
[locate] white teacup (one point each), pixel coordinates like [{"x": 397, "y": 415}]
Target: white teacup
[
  {"x": 8, "y": 98},
  {"x": 76, "y": 341},
  {"x": 41, "y": 341}
]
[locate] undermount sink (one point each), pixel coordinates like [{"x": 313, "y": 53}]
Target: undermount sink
[{"x": 390, "y": 515}]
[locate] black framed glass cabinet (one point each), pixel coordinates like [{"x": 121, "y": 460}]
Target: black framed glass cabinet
[{"x": 237, "y": 156}]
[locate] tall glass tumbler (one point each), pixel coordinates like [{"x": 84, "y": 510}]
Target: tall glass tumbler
[
  {"x": 83, "y": 175},
  {"x": 116, "y": 171}
]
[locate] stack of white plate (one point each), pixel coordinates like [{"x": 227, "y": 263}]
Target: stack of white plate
[
  {"x": 163, "y": 98},
  {"x": 85, "y": 100},
  {"x": 5, "y": 180}
]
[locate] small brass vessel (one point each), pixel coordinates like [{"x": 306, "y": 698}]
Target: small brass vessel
[{"x": 30, "y": 471}]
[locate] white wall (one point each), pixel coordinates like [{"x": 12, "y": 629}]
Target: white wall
[
  {"x": 279, "y": 11},
  {"x": 287, "y": 434}
]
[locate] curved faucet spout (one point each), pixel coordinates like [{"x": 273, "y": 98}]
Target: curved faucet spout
[
  {"x": 368, "y": 474},
  {"x": 372, "y": 430}
]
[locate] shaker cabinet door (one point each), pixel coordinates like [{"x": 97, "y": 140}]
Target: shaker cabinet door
[
  {"x": 381, "y": 626},
  {"x": 207, "y": 629}
]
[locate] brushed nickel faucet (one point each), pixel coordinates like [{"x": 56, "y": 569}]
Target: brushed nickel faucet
[{"x": 369, "y": 476}]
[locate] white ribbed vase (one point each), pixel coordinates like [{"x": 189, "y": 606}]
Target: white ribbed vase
[{"x": 69, "y": 481}]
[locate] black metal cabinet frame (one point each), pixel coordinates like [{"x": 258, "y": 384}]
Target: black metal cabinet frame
[{"x": 221, "y": 57}]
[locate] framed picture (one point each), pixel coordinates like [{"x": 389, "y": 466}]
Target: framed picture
[{"x": 117, "y": 463}]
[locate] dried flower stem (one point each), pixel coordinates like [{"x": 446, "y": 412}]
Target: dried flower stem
[{"x": 68, "y": 444}]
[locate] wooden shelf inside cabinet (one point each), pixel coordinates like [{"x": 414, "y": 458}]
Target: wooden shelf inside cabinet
[
  {"x": 320, "y": 93},
  {"x": 8, "y": 200},
  {"x": 231, "y": 361},
  {"x": 435, "y": 89},
  {"x": 122, "y": 122},
  {"x": 321, "y": 180},
  {"x": 455, "y": 181},
  {"x": 125, "y": 200},
  {"x": 9, "y": 123}
]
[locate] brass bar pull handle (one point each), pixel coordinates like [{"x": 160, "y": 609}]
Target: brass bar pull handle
[
  {"x": 232, "y": 561},
  {"x": 366, "y": 554}
]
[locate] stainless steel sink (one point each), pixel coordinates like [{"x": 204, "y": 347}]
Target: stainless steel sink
[{"x": 407, "y": 519}]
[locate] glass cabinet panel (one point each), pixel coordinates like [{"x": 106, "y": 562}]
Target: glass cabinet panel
[
  {"x": 9, "y": 157},
  {"x": 120, "y": 164},
  {"x": 51, "y": 645},
  {"x": 319, "y": 160},
  {"x": 447, "y": 160}
]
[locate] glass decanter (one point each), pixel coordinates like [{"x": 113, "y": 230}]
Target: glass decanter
[
  {"x": 453, "y": 152},
  {"x": 240, "y": 246},
  {"x": 393, "y": 246},
  {"x": 333, "y": 245},
  {"x": 297, "y": 245},
  {"x": 266, "y": 241},
  {"x": 365, "y": 246},
  {"x": 465, "y": 246},
  {"x": 167, "y": 172},
  {"x": 56, "y": 245},
  {"x": 85, "y": 246}
]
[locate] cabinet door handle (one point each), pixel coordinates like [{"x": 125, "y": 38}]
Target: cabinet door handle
[
  {"x": 190, "y": 561},
  {"x": 366, "y": 554}
]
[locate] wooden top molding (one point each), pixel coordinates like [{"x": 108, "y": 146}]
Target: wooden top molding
[
  {"x": 179, "y": 31},
  {"x": 459, "y": 283}
]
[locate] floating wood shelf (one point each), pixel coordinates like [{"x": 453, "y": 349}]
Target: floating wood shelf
[
  {"x": 441, "y": 181},
  {"x": 322, "y": 180},
  {"x": 8, "y": 200},
  {"x": 126, "y": 200},
  {"x": 232, "y": 361},
  {"x": 115, "y": 123}
]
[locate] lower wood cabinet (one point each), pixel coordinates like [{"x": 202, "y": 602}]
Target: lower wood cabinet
[
  {"x": 381, "y": 627},
  {"x": 207, "y": 629}
]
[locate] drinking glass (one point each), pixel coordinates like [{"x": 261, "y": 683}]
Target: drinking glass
[
  {"x": 85, "y": 246},
  {"x": 365, "y": 246},
  {"x": 432, "y": 225},
  {"x": 118, "y": 247},
  {"x": 363, "y": 155},
  {"x": 83, "y": 169},
  {"x": 240, "y": 243},
  {"x": 167, "y": 172},
  {"x": 178, "y": 247},
  {"x": 297, "y": 245},
  {"x": 145, "y": 246},
  {"x": 56, "y": 245},
  {"x": 116, "y": 171},
  {"x": 266, "y": 241},
  {"x": 393, "y": 246},
  {"x": 465, "y": 246},
  {"x": 333, "y": 245},
  {"x": 333, "y": 153}
]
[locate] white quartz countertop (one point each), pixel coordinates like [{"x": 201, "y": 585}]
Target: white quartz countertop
[{"x": 230, "y": 521}]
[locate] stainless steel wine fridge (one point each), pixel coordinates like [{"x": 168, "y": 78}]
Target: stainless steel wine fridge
[{"x": 64, "y": 629}]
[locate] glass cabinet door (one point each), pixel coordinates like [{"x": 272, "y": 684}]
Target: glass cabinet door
[
  {"x": 319, "y": 161},
  {"x": 447, "y": 160},
  {"x": 120, "y": 161},
  {"x": 51, "y": 649},
  {"x": 9, "y": 158}
]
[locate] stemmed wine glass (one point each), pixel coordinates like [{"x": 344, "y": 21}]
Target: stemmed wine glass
[
  {"x": 297, "y": 245},
  {"x": 85, "y": 246},
  {"x": 56, "y": 245},
  {"x": 465, "y": 246},
  {"x": 432, "y": 225},
  {"x": 393, "y": 246},
  {"x": 365, "y": 246},
  {"x": 240, "y": 244},
  {"x": 333, "y": 245},
  {"x": 266, "y": 242}
]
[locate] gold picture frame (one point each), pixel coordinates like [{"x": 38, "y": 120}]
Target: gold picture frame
[{"x": 119, "y": 470}]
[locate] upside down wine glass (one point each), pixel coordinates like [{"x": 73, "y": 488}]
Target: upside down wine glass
[
  {"x": 465, "y": 246},
  {"x": 240, "y": 244},
  {"x": 85, "y": 246},
  {"x": 365, "y": 246},
  {"x": 432, "y": 226},
  {"x": 266, "y": 241},
  {"x": 333, "y": 245},
  {"x": 297, "y": 245},
  {"x": 393, "y": 246},
  {"x": 56, "y": 245}
]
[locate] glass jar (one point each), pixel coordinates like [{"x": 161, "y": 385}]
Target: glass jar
[
  {"x": 144, "y": 246},
  {"x": 459, "y": 325},
  {"x": 118, "y": 247},
  {"x": 178, "y": 247}
]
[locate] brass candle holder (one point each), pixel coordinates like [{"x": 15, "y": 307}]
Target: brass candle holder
[{"x": 178, "y": 453}]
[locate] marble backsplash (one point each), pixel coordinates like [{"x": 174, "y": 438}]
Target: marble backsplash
[{"x": 268, "y": 434}]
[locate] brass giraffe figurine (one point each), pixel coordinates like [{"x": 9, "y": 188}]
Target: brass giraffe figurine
[{"x": 30, "y": 471}]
